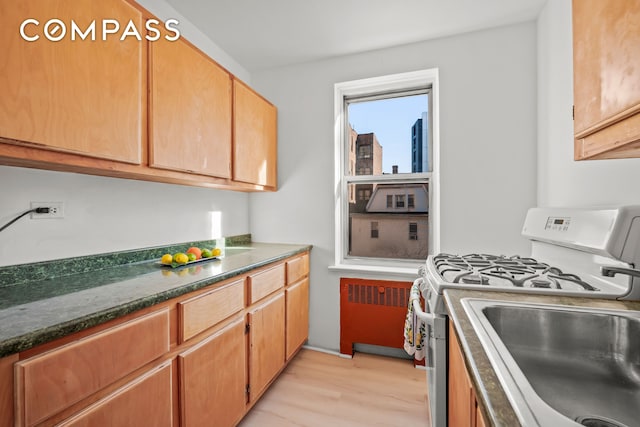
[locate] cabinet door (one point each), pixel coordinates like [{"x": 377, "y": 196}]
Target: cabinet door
[
  {"x": 78, "y": 96},
  {"x": 213, "y": 379},
  {"x": 255, "y": 137},
  {"x": 146, "y": 401},
  {"x": 480, "y": 422},
  {"x": 606, "y": 66},
  {"x": 297, "y": 315},
  {"x": 266, "y": 349},
  {"x": 462, "y": 408},
  {"x": 190, "y": 111},
  {"x": 50, "y": 382}
]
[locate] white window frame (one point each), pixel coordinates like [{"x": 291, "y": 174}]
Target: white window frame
[{"x": 414, "y": 80}]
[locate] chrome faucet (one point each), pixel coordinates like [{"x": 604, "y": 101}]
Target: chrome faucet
[{"x": 634, "y": 274}]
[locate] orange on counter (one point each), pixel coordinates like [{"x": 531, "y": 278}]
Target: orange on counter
[{"x": 196, "y": 251}]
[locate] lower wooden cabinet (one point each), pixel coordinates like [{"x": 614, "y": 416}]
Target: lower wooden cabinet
[
  {"x": 297, "y": 300},
  {"x": 213, "y": 379},
  {"x": 145, "y": 401},
  {"x": 463, "y": 408},
  {"x": 50, "y": 382},
  {"x": 200, "y": 359},
  {"x": 266, "y": 343}
]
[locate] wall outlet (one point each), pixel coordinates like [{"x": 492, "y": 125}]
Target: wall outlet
[{"x": 56, "y": 210}]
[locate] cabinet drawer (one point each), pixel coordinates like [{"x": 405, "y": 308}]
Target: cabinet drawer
[
  {"x": 267, "y": 281},
  {"x": 52, "y": 381},
  {"x": 297, "y": 268},
  {"x": 148, "y": 400},
  {"x": 203, "y": 311}
]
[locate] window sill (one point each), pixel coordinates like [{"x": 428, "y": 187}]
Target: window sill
[{"x": 392, "y": 270}]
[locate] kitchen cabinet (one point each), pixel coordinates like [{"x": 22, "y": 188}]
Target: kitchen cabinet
[
  {"x": 76, "y": 96},
  {"x": 206, "y": 355},
  {"x": 6, "y": 390},
  {"x": 149, "y": 110},
  {"x": 206, "y": 310},
  {"x": 297, "y": 301},
  {"x": 266, "y": 343},
  {"x": 266, "y": 282},
  {"x": 48, "y": 383},
  {"x": 213, "y": 378},
  {"x": 297, "y": 304},
  {"x": 463, "y": 409},
  {"x": 190, "y": 111},
  {"x": 145, "y": 401},
  {"x": 606, "y": 74},
  {"x": 255, "y": 137}
]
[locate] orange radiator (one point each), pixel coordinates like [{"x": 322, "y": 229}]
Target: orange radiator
[{"x": 372, "y": 312}]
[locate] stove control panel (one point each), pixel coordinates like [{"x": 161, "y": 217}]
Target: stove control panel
[
  {"x": 600, "y": 231},
  {"x": 555, "y": 223}
]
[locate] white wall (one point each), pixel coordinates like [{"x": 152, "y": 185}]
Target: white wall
[
  {"x": 561, "y": 180},
  {"x": 109, "y": 214},
  {"x": 488, "y": 150},
  {"x": 163, "y": 11}
]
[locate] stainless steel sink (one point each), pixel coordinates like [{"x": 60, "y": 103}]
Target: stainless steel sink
[{"x": 561, "y": 365}]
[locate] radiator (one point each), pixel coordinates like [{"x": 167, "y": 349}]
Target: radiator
[{"x": 372, "y": 312}]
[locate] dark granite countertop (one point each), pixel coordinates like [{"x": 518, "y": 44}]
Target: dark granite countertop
[
  {"x": 45, "y": 307},
  {"x": 497, "y": 408}
]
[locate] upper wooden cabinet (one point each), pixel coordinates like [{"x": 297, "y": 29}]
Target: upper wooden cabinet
[
  {"x": 190, "y": 111},
  {"x": 255, "y": 137},
  {"x": 77, "y": 96},
  {"x": 606, "y": 68}
]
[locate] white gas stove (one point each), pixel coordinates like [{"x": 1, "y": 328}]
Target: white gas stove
[
  {"x": 591, "y": 253},
  {"x": 580, "y": 252}
]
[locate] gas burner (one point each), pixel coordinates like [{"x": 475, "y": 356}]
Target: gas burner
[
  {"x": 502, "y": 271},
  {"x": 540, "y": 283},
  {"x": 474, "y": 279}
]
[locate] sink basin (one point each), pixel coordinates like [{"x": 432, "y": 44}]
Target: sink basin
[{"x": 561, "y": 365}]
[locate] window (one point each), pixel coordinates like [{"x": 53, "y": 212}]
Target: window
[
  {"x": 364, "y": 152},
  {"x": 413, "y": 231},
  {"x": 396, "y": 171},
  {"x": 374, "y": 229}
]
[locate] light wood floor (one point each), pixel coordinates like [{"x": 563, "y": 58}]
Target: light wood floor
[{"x": 319, "y": 389}]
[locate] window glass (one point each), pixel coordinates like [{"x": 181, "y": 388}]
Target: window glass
[
  {"x": 386, "y": 150},
  {"x": 391, "y": 140},
  {"x": 413, "y": 231}
]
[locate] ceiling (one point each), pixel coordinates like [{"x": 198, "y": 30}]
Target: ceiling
[{"x": 262, "y": 34}]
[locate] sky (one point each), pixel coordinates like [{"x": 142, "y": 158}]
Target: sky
[{"x": 391, "y": 120}]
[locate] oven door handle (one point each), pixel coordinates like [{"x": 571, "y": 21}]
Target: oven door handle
[{"x": 415, "y": 297}]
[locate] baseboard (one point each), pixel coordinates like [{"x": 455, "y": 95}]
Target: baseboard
[{"x": 323, "y": 350}]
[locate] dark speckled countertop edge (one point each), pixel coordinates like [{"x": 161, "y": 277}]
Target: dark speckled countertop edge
[
  {"x": 43, "y": 335},
  {"x": 496, "y": 407}
]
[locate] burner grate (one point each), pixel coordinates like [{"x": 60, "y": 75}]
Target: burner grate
[{"x": 500, "y": 270}]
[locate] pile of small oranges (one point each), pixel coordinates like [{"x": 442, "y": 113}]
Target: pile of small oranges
[{"x": 191, "y": 254}]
